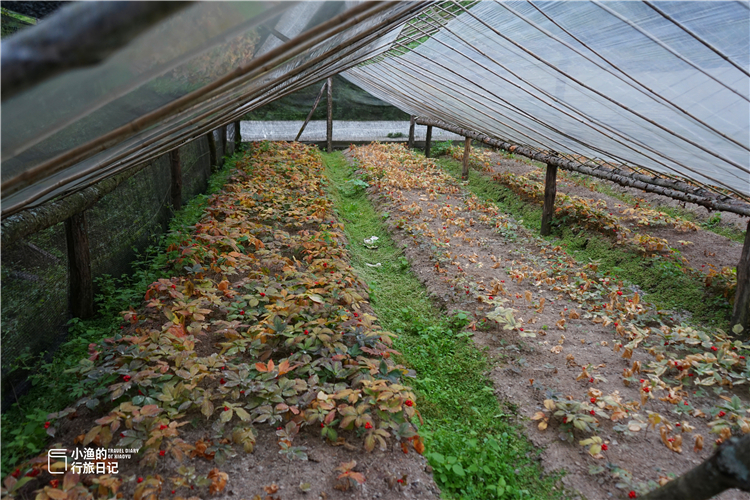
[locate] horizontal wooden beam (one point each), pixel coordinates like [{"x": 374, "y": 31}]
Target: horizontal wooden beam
[{"x": 670, "y": 188}]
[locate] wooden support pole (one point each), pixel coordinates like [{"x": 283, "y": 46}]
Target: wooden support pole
[
  {"x": 727, "y": 468},
  {"x": 671, "y": 188},
  {"x": 412, "y": 124},
  {"x": 176, "y": 174},
  {"x": 329, "y": 122},
  {"x": 467, "y": 153},
  {"x": 428, "y": 142},
  {"x": 550, "y": 191},
  {"x": 310, "y": 114},
  {"x": 224, "y": 152},
  {"x": 79, "y": 266},
  {"x": 237, "y": 135},
  {"x": 212, "y": 151},
  {"x": 741, "y": 312}
]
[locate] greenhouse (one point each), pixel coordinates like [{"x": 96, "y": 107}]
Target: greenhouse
[{"x": 337, "y": 249}]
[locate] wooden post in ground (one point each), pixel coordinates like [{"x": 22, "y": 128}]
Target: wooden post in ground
[
  {"x": 329, "y": 122},
  {"x": 467, "y": 152},
  {"x": 550, "y": 191},
  {"x": 741, "y": 312},
  {"x": 212, "y": 151},
  {"x": 310, "y": 114},
  {"x": 79, "y": 266},
  {"x": 428, "y": 141},
  {"x": 224, "y": 152},
  {"x": 412, "y": 124},
  {"x": 237, "y": 135},
  {"x": 176, "y": 174}
]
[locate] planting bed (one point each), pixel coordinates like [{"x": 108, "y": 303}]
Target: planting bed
[
  {"x": 257, "y": 371},
  {"x": 622, "y": 394}
]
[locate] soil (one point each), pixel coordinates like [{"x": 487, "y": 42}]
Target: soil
[{"x": 527, "y": 370}]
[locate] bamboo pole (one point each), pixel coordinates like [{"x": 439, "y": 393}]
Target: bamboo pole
[
  {"x": 79, "y": 266},
  {"x": 81, "y": 34},
  {"x": 257, "y": 66},
  {"x": 126, "y": 160},
  {"x": 410, "y": 143},
  {"x": 175, "y": 170},
  {"x": 665, "y": 187},
  {"x": 550, "y": 190},
  {"x": 329, "y": 120},
  {"x": 741, "y": 310},
  {"x": 467, "y": 154},
  {"x": 428, "y": 142},
  {"x": 310, "y": 114}
]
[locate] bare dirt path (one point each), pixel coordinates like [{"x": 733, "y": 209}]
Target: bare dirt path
[{"x": 562, "y": 335}]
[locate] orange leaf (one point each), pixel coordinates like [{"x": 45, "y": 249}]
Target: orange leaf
[{"x": 419, "y": 445}]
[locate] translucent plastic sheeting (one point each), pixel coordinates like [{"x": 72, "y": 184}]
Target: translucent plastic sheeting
[
  {"x": 662, "y": 85},
  {"x": 240, "y": 38}
]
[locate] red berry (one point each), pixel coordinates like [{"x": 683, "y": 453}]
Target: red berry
[
  {"x": 126, "y": 378},
  {"x": 632, "y": 494},
  {"x": 521, "y": 329},
  {"x": 604, "y": 447},
  {"x": 642, "y": 381},
  {"x": 409, "y": 402},
  {"x": 162, "y": 453},
  {"x": 262, "y": 294},
  {"x": 162, "y": 427},
  {"x": 54, "y": 483},
  {"x": 222, "y": 381},
  {"x": 33, "y": 473},
  {"x": 591, "y": 412},
  {"x": 140, "y": 479},
  {"x": 646, "y": 389},
  {"x": 368, "y": 425},
  {"x": 16, "y": 473},
  {"x": 722, "y": 413},
  {"x": 591, "y": 380},
  {"x": 46, "y": 425},
  {"x": 322, "y": 424},
  {"x": 242, "y": 313},
  {"x": 279, "y": 428},
  {"x": 713, "y": 348},
  {"x": 306, "y": 332},
  {"x": 226, "y": 408},
  {"x": 593, "y": 400}
]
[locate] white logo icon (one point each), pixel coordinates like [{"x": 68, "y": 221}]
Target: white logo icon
[{"x": 53, "y": 455}]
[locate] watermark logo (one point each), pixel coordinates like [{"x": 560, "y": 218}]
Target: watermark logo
[{"x": 87, "y": 460}]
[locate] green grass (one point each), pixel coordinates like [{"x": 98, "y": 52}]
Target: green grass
[
  {"x": 667, "y": 286},
  {"x": 23, "y": 433},
  {"x": 473, "y": 444}
]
